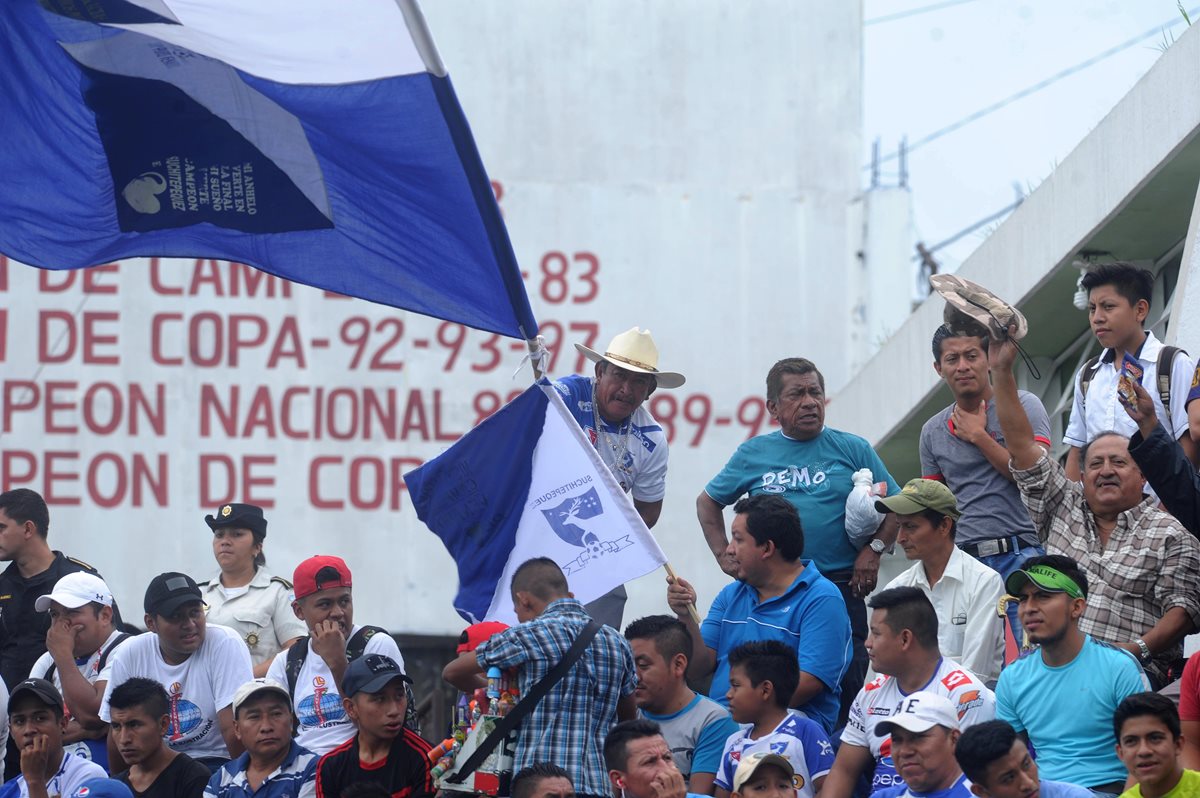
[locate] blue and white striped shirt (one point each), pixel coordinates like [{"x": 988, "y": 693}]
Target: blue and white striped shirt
[{"x": 295, "y": 778}]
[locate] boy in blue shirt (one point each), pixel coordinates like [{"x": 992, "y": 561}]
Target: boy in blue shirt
[{"x": 762, "y": 676}]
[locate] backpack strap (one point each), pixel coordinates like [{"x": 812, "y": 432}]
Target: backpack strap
[
  {"x": 356, "y": 646},
  {"x": 295, "y": 661},
  {"x": 1085, "y": 379},
  {"x": 1162, "y": 374},
  {"x": 121, "y": 638}
]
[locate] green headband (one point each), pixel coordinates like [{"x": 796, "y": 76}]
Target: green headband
[{"x": 1049, "y": 579}]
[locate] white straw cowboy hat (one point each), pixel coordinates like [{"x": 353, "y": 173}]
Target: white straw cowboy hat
[{"x": 634, "y": 350}]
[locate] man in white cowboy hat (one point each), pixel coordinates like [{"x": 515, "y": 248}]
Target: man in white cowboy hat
[{"x": 610, "y": 408}]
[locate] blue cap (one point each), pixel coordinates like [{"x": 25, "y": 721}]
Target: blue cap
[
  {"x": 103, "y": 788},
  {"x": 370, "y": 674}
]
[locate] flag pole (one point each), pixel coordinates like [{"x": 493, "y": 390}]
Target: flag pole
[
  {"x": 691, "y": 607},
  {"x": 537, "y": 360}
]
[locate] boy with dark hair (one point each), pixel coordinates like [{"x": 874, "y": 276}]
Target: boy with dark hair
[
  {"x": 762, "y": 676},
  {"x": 382, "y": 750},
  {"x": 140, "y": 712},
  {"x": 1149, "y": 744},
  {"x": 36, "y": 721},
  {"x": 695, "y": 727},
  {"x": 1118, "y": 304},
  {"x": 999, "y": 765}
]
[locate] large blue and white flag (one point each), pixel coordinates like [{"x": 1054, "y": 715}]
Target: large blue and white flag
[
  {"x": 318, "y": 141},
  {"x": 527, "y": 483}
]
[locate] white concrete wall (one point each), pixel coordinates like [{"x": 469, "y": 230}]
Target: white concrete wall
[{"x": 692, "y": 165}]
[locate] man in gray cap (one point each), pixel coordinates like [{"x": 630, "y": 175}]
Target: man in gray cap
[
  {"x": 201, "y": 667},
  {"x": 964, "y": 591}
]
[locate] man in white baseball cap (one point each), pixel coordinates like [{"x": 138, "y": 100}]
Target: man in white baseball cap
[
  {"x": 610, "y": 407},
  {"x": 79, "y": 645},
  {"x": 924, "y": 731}
]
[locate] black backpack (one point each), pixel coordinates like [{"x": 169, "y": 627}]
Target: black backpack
[{"x": 356, "y": 646}]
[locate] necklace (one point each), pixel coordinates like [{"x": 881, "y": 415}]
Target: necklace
[{"x": 619, "y": 447}]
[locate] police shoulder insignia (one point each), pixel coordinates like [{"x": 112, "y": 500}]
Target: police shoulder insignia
[
  {"x": 282, "y": 581},
  {"x": 83, "y": 564}
]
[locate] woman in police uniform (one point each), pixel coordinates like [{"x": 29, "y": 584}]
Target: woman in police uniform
[{"x": 245, "y": 596}]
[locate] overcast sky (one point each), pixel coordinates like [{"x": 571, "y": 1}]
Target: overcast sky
[{"x": 929, "y": 70}]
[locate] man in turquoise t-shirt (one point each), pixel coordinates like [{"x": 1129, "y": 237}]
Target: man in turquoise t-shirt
[
  {"x": 811, "y": 466},
  {"x": 1062, "y": 696}
]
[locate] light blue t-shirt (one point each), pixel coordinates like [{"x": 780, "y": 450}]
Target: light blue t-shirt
[
  {"x": 1067, "y": 711},
  {"x": 809, "y": 617},
  {"x": 959, "y": 789},
  {"x": 1059, "y": 789},
  {"x": 813, "y": 475},
  {"x": 696, "y": 734}
]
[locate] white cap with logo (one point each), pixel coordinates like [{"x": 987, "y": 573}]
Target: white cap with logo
[
  {"x": 920, "y": 712},
  {"x": 75, "y": 590}
]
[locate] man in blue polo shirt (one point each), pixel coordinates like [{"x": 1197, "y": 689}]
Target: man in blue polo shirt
[{"x": 778, "y": 596}]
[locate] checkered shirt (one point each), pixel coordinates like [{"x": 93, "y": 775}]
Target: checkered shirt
[
  {"x": 1150, "y": 565},
  {"x": 568, "y": 726}
]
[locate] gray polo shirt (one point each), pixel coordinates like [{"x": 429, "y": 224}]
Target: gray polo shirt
[{"x": 990, "y": 504}]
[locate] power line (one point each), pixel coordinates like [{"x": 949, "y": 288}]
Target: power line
[
  {"x": 923, "y": 252},
  {"x": 1036, "y": 87},
  {"x": 912, "y": 12}
]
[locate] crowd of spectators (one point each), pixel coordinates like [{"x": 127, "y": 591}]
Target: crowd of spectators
[{"x": 804, "y": 679}]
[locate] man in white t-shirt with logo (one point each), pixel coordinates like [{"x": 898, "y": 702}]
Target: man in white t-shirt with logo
[
  {"x": 903, "y": 646},
  {"x": 78, "y": 658},
  {"x": 200, "y": 666},
  {"x": 313, "y": 668}
]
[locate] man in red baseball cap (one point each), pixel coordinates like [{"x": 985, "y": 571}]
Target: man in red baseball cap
[{"x": 314, "y": 667}]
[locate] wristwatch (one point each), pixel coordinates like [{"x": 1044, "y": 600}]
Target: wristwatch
[
  {"x": 1145, "y": 656},
  {"x": 877, "y": 545}
]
